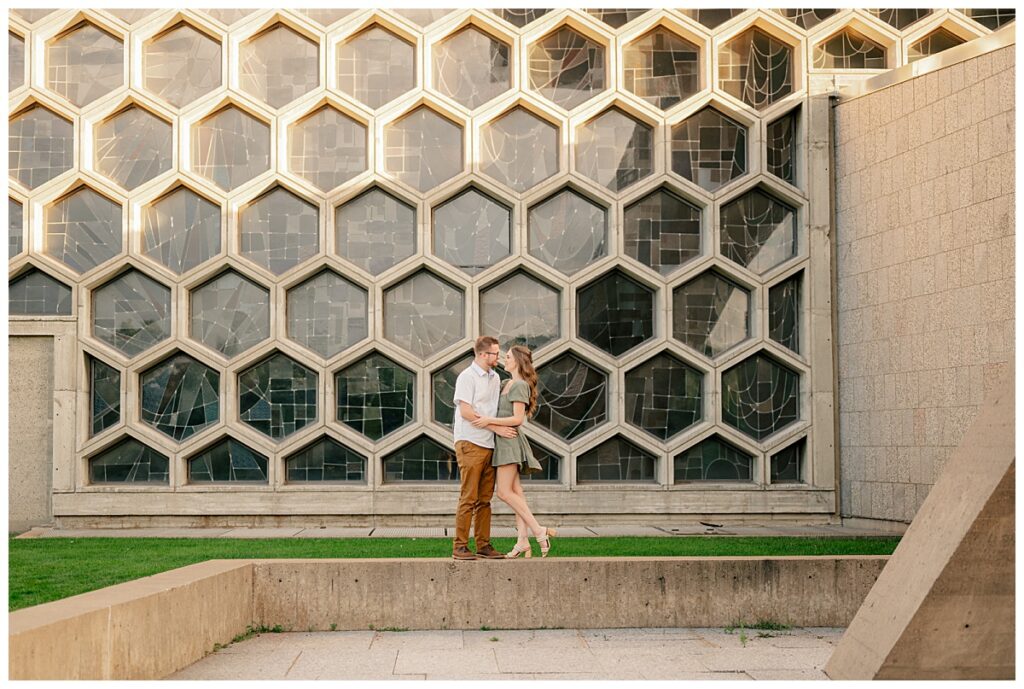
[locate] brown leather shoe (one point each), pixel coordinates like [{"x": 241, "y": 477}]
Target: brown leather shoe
[
  {"x": 463, "y": 553},
  {"x": 489, "y": 553}
]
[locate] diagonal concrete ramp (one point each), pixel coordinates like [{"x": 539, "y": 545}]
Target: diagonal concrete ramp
[{"x": 943, "y": 607}]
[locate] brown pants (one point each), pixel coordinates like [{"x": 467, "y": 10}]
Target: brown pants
[{"x": 477, "y": 477}]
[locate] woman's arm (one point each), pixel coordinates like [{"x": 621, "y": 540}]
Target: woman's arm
[{"x": 518, "y": 415}]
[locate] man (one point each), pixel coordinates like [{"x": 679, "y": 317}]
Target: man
[{"x": 476, "y": 394}]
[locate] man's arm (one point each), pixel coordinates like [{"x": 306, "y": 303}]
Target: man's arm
[
  {"x": 503, "y": 431},
  {"x": 467, "y": 412}
]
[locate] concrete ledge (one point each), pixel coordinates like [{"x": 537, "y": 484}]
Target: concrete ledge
[{"x": 150, "y": 628}]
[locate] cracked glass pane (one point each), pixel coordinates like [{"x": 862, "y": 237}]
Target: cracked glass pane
[
  {"x": 567, "y": 231},
  {"x": 784, "y": 312},
  {"x": 327, "y": 148},
  {"x": 84, "y": 64},
  {"x": 131, "y": 313},
  {"x": 375, "y": 396},
  {"x": 230, "y": 147},
  {"x": 616, "y": 460},
  {"x": 424, "y": 314},
  {"x": 472, "y": 67},
  {"x": 760, "y": 396},
  {"x": 421, "y": 460},
  {"x": 180, "y": 396},
  {"x": 230, "y": 314},
  {"x": 709, "y": 149},
  {"x": 129, "y": 462},
  {"x": 615, "y": 313},
  {"x": 375, "y": 231},
  {"x": 519, "y": 149},
  {"x": 713, "y": 459},
  {"x": 376, "y": 66},
  {"x": 133, "y": 147},
  {"x": 781, "y": 143},
  {"x": 572, "y": 397},
  {"x": 615, "y": 150},
  {"x": 181, "y": 65},
  {"x": 326, "y": 460},
  {"x": 278, "y": 65},
  {"x": 756, "y": 68},
  {"x": 37, "y": 294},
  {"x": 787, "y": 465},
  {"x": 41, "y": 146},
  {"x": 662, "y": 68},
  {"x": 758, "y": 231},
  {"x": 327, "y": 314},
  {"x": 105, "y": 397},
  {"x": 567, "y": 68},
  {"x": 662, "y": 231},
  {"x": 181, "y": 230},
  {"x": 228, "y": 461},
  {"x": 279, "y": 230},
  {"x": 423, "y": 149},
  {"x": 472, "y": 231},
  {"x": 710, "y": 314},
  {"x": 15, "y": 228},
  {"x": 277, "y": 396},
  {"x": 83, "y": 230},
  {"x": 15, "y": 61},
  {"x": 664, "y": 396},
  {"x": 520, "y": 310},
  {"x": 849, "y": 49}
]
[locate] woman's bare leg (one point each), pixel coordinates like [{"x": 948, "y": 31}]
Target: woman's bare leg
[
  {"x": 523, "y": 540},
  {"x": 507, "y": 473}
]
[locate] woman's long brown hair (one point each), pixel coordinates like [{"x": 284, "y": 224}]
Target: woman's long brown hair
[{"x": 524, "y": 362}]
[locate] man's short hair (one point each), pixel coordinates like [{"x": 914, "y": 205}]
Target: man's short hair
[{"x": 483, "y": 343}]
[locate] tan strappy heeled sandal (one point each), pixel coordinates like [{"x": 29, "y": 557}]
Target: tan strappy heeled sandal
[
  {"x": 545, "y": 543},
  {"x": 516, "y": 551}
]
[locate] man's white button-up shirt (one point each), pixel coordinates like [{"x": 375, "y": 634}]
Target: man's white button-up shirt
[{"x": 481, "y": 390}]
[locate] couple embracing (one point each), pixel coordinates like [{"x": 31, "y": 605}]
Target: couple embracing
[{"x": 490, "y": 449}]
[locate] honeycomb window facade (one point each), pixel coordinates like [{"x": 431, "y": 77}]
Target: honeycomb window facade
[{"x": 327, "y": 202}]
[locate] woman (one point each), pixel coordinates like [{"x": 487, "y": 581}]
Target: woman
[{"x": 513, "y": 456}]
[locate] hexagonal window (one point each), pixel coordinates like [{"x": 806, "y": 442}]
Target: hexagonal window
[
  {"x": 615, "y": 313},
  {"x": 849, "y": 49},
  {"x": 572, "y": 397},
  {"x": 325, "y": 461},
  {"x": 423, "y": 149},
  {"x": 279, "y": 230},
  {"x": 181, "y": 65},
  {"x": 782, "y": 146},
  {"x": 34, "y": 293},
  {"x": 787, "y": 465},
  {"x": 83, "y": 230},
  {"x": 784, "y": 312},
  {"x": 104, "y": 396},
  {"x": 129, "y": 462},
  {"x": 932, "y": 44},
  {"x": 662, "y": 68},
  {"x": 521, "y": 310},
  {"x": 424, "y": 314},
  {"x": 181, "y": 230},
  {"x": 520, "y": 17},
  {"x": 664, "y": 396},
  {"x": 709, "y": 149},
  {"x": 550, "y": 463},
  {"x": 41, "y": 146},
  {"x": 567, "y": 231},
  {"x": 756, "y": 68},
  {"x": 180, "y": 396},
  {"x": 806, "y": 19},
  {"x": 991, "y": 19},
  {"x": 277, "y": 396},
  {"x": 421, "y": 460},
  {"x": 84, "y": 64},
  {"x": 15, "y": 61},
  {"x": 133, "y": 147},
  {"x": 710, "y": 313},
  {"x": 131, "y": 313},
  {"x": 614, "y": 149},
  {"x": 472, "y": 231},
  {"x": 519, "y": 149},
  {"x": 375, "y": 231},
  {"x": 327, "y": 313},
  {"x": 327, "y": 148},
  {"x": 375, "y": 66},
  {"x": 760, "y": 396},
  {"x": 567, "y": 68},
  {"x": 228, "y": 461},
  {"x": 758, "y": 231},
  {"x": 278, "y": 65},
  {"x": 229, "y": 314},
  {"x": 616, "y": 460},
  {"x": 712, "y": 459},
  {"x": 15, "y": 228},
  {"x": 472, "y": 67},
  {"x": 230, "y": 147},
  {"x": 442, "y": 386},
  {"x": 662, "y": 231},
  {"x": 375, "y": 396}
]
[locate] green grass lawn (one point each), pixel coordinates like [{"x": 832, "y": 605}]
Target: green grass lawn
[{"x": 46, "y": 569}]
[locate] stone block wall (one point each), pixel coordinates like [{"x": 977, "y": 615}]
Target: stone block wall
[
  {"x": 925, "y": 262},
  {"x": 30, "y": 442}
]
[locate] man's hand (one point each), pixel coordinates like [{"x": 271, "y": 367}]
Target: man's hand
[
  {"x": 481, "y": 422},
  {"x": 504, "y": 431}
]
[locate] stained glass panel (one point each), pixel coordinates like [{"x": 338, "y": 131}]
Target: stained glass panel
[
  {"x": 712, "y": 18},
  {"x": 572, "y": 397},
  {"x": 806, "y": 19},
  {"x": 376, "y": 66},
  {"x": 617, "y": 18},
  {"x": 181, "y": 230},
  {"x": 83, "y": 230},
  {"x": 326, "y": 461},
  {"x": 661, "y": 68},
  {"x": 520, "y": 310},
  {"x": 278, "y": 65},
  {"x": 84, "y": 64},
  {"x": 709, "y": 149},
  {"x": 760, "y": 396},
  {"x": 991, "y": 18},
  {"x": 662, "y": 231},
  {"x": 900, "y": 18},
  {"x": 279, "y": 230},
  {"x": 520, "y": 17},
  {"x": 375, "y": 396},
  {"x": 849, "y": 49},
  {"x": 713, "y": 460},
  {"x": 277, "y": 396},
  {"x": 41, "y": 145},
  {"x": 327, "y": 313},
  {"x": 615, "y": 150},
  {"x": 784, "y": 312},
  {"x": 129, "y": 462},
  {"x": 519, "y": 149},
  {"x": 472, "y": 231},
  {"x": 710, "y": 314},
  {"x": 104, "y": 397},
  {"x": 472, "y": 67},
  {"x": 664, "y": 396},
  {"x": 421, "y": 460},
  {"x": 131, "y": 313},
  {"x": 758, "y": 231},
  {"x": 782, "y": 143},
  {"x": 616, "y": 460},
  {"x": 423, "y": 149},
  {"x": 133, "y": 147},
  {"x": 375, "y": 231},
  {"x": 228, "y": 461},
  {"x": 787, "y": 465},
  {"x": 424, "y": 314},
  {"x": 37, "y": 294},
  {"x": 230, "y": 314},
  {"x": 180, "y": 396},
  {"x": 756, "y": 68},
  {"x": 327, "y": 148},
  {"x": 567, "y": 231},
  {"x": 615, "y": 313},
  {"x": 181, "y": 65},
  {"x": 230, "y": 147},
  {"x": 567, "y": 68},
  {"x": 932, "y": 44}
]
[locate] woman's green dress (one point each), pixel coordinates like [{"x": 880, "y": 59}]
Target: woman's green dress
[{"x": 514, "y": 450}]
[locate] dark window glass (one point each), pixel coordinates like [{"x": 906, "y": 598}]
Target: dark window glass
[
  {"x": 326, "y": 460},
  {"x": 787, "y": 464},
  {"x": 713, "y": 460},
  {"x": 709, "y": 149},
  {"x": 105, "y": 399},
  {"x": 180, "y": 396},
  {"x": 37, "y": 294},
  {"x": 664, "y": 396},
  {"x": 661, "y": 68},
  {"x": 228, "y": 461},
  {"x": 421, "y": 460},
  {"x": 129, "y": 462},
  {"x": 375, "y": 396},
  {"x": 277, "y": 396},
  {"x": 781, "y": 147},
  {"x": 615, "y": 460},
  {"x": 760, "y": 396},
  {"x": 572, "y": 397},
  {"x": 549, "y": 460},
  {"x": 662, "y": 231},
  {"x": 902, "y": 18},
  {"x": 566, "y": 67},
  {"x": 758, "y": 231},
  {"x": 616, "y": 313},
  {"x": 710, "y": 314},
  {"x": 784, "y": 312},
  {"x": 807, "y": 19}
]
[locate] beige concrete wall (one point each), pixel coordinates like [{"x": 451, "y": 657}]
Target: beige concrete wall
[
  {"x": 925, "y": 242},
  {"x": 30, "y": 431}
]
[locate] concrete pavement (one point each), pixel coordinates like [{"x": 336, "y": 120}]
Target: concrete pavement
[{"x": 596, "y": 654}]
